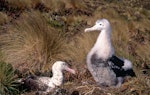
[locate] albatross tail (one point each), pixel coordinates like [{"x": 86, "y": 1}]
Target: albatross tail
[{"x": 127, "y": 65}]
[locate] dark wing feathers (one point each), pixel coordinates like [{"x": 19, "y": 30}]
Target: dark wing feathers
[
  {"x": 117, "y": 61},
  {"x": 116, "y": 66},
  {"x": 32, "y": 83}
]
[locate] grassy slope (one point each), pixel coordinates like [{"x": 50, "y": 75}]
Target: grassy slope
[{"x": 62, "y": 37}]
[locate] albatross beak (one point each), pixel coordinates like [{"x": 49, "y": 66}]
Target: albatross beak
[
  {"x": 95, "y": 27},
  {"x": 70, "y": 70}
]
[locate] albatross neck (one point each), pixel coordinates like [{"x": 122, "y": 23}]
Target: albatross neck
[
  {"x": 103, "y": 44},
  {"x": 103, "y": 38},
  {"x": 57, "y": 78}
]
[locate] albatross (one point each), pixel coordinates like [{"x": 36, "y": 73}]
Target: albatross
[
  {"x": 106, "y": 68},
  {"x": 46, "y": 84}
]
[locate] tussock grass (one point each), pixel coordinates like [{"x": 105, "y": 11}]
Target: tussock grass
[
  {"x": 35, "y": 40},
  {"x": 121, "y": 39},
  {"x": 4, "y": 18},
  {"x": 74, "y": 4},
  {"x": 82, "y": 46},
  {"x": 19, "y": 4},
  {"x": 141, "y": 50},
  {"x": 31, "y": 44},
  {"x": 44, "y": 5}
]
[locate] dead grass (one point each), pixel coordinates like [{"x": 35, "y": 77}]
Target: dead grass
[
  {"x": 33, "y": 41},
  {"x": 4, "y": 18},
  {"x": 44, "y": 5},
  {"x": 21, "y": 4},
  {"x": 81, "y": 46},
  {"x": 30, "y": 43}
]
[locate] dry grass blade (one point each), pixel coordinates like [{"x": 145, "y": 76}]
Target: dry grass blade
[
  {"x": 32, "y": 37},
  {"x": 3, "y": 18},
  {"x": 30, "y": 43},
  {"x": 81, "y": 46}
]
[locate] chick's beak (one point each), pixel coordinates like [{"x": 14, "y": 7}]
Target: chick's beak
[
  {"x": 95, "y": 27},
  {"x": 70, "y": 70}
]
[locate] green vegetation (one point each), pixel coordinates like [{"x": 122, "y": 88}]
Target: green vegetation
[
  {"x": 8, "y": 83},
  {"x": 36, "y": 33}
]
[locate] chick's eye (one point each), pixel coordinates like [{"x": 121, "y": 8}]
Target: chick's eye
[
  {"x": 100, "y": 24},
  {"x": 64, "y": 64}
]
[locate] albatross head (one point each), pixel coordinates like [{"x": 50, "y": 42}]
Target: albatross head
[
  {"x": 60, "y": 66},
  {"x": 101, "y": 24}
]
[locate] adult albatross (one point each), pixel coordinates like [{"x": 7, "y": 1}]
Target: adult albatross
[
  {"x": 46, "y": 84},
  {"x": 105, "y": 67}
]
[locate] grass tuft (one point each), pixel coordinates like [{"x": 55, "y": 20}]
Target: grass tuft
[
  {"x": 32, "y": 40},
  {"x": 8, "y": 83},
  {"x": 31, "y": 44},
  {"x": 4, "y": 18}
]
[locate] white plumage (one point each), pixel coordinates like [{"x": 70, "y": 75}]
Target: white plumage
[
  {"x": 106, "y": 69},
  {"x": 46, "y": 84}
]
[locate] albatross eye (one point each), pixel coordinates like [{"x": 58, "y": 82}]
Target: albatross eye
[{"x": 64, "y": 64}]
